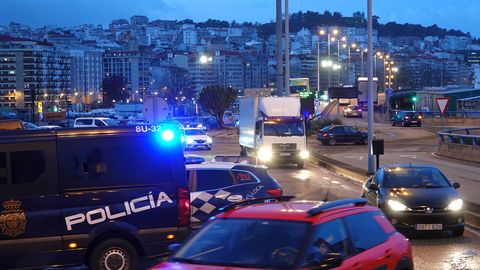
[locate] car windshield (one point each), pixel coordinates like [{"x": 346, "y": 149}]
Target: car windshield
[
  {"x": 194, "y": 132},
  {"x": 414, "y": 178},
  {"x": 412, "y": 114},
  {"x": 252, "y": 243},
  {"x": 283, "y": 128}
]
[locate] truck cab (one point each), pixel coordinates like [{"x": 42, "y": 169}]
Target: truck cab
[{"x": 272, "y": 130}]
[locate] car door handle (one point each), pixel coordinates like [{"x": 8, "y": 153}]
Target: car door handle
[
  {"x": 388, "y": 253},
  {"x": 357, "y": 266}
]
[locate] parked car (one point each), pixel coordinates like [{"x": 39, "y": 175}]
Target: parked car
[
  {"x": 416, "y": 198},
  {"x": 352, "y": 111},
  {"x": 406, "y": 119},
  {"x": 29, "y": 126},
  {"x": 104, "y": 199},
  {"x": 94, "y": 122},
  {"x": 49, "y": 127},
  {"x": 345, "y": 234},
  {"x": 11, "y": 124},
  {"x": 333, "y": 134},
  {"x": 196, "y": 138},
  {"x": 217, "y": 184}
]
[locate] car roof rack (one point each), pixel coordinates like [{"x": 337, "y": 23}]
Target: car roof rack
[
  {"x": 335, "y": 204},
  {"x": 255, "y": 201}
]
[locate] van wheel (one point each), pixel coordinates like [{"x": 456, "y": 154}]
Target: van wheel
[
  {"x": 114, "y": 254},
  {"x": 458, "y": 232}
]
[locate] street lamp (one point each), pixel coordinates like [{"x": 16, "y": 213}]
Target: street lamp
[{"x": 329, "y": 39}]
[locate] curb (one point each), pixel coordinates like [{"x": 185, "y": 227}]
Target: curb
[{"x": 472, "y": 211}]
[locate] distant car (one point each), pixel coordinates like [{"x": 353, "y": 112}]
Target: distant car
[
  {"x": 352, "y": 111},
  {"x": 333, "y": 134},
  {"x": 405, "y": 119},
  {"x": 416, "y": 198},
  {"x": 345, "y": 234},
  {"x": 94, "y": 122},
  {"x": 196, "y": 138},
  {"x": 189, "y": 159},
  {"x": 29, "y": 126},
  {"x": 217, "y": 184}
]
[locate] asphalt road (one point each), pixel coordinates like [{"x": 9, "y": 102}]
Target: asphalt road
[{"x": 435, "y": 252}]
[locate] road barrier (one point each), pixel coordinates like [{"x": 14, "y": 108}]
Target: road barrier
[{"x": 464, "y": 136}]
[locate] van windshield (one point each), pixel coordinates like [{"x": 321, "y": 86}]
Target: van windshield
[{"x": 283, "y": 128}]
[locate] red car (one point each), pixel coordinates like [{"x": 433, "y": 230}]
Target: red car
[{"x": 345, "y": 234}]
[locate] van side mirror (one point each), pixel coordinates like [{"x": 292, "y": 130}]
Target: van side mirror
[
  {"x": 455, "y": 185},
  {"x": 373, "y": 186}
]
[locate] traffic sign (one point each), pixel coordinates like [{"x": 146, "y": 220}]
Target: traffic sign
[{"x": 442, "y": 104}]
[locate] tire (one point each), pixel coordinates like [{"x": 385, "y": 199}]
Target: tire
[
  {"x": 404, "y": 264},
  {"x": 243, "y": 152},
  {"x": 393, "y": 123},
  {"x": 300, "y": 165},
  {"x": 458, "y": 232},
  {"x": 115, "y": 254},
  {"x": 332, "y": 142},
  {"x": 404, "y": 124},
  {"x": 419, "y": 125},
  {"x": 364, "y": 141}
]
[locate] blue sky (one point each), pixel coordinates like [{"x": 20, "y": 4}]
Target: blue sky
[{"x": 458, "y": 14}]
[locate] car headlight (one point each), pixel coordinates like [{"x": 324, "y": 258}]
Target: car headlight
[
  {"x": 397, "y": 206},
  {"x": 209, "y": 140},
  {"x": 264, "y": 154},
  {"x": 304, "y": 154},
  {"x": 455, "y": 205},
  {"x": 189, "y": 140}
]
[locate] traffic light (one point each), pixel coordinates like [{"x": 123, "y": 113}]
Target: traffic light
[{"x": 414, "y": 99}]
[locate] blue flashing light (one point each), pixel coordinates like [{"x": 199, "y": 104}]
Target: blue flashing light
[{"x": 167, "y": 135}]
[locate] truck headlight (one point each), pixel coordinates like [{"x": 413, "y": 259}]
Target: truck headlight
[
  {"x": 304, "y": 154},
  {"x": 189, "y": 140},
  {"x": 455, "y": 205},
  {"x": 397, "y": 206},
  {"x": 264, "y": 154},
  {"x": 209, "y": 140}
]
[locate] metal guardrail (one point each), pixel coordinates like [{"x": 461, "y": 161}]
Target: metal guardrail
[
  {"x": 452, "y": 114},
  {"x": 466, "y": 138}
]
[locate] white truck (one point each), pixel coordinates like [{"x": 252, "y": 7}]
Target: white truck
[{"x": 273, "y": 130}]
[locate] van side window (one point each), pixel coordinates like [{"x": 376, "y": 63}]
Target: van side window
[
  {"x": 99, "y": 123},
  {"x": 3, "y": 168},
  {"x": 27, "y": 166}
]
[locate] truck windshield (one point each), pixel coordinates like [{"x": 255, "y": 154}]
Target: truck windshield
[{"x": 283, "y": 128}]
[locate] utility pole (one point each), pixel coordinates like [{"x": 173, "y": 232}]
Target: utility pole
[
  {"x": 318, "y": 65},
  {"x": 279, "y": 49},
  {"x": 371, "y": 126},
  {"x": 287, "y": 50}
]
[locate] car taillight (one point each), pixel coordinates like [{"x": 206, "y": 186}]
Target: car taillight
[
  {"x": 324, "y": 134},
  {"x": 419, "y": 117},
  {"x": 275, "y": 192},
  {"x": 183, "y": 206},
  {"x": 406, "y": 117}
]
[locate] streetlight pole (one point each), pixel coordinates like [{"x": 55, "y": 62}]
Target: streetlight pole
[
  {"x": 279, "y": 49},
  {"x": 318, "y": 66},
  {"x": 287, "y": 50},
  {"x": 371, "y": 123}
]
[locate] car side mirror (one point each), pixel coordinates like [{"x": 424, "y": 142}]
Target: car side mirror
[
  {"x": 330, "y": 261},
  {"x": 373, "y": 186},
  {"x": 174, "y": 247},
  {"x": 455, "y": 185}
]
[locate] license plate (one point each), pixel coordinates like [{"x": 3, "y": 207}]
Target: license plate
[
  {"x": 414, "y": 122},
  {"x": 428, "y": 227},
  {"x": 284, "y": 154}
]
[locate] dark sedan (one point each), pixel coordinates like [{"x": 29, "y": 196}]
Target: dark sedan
[
  {"x": 406, "y": 119},
  {"x": 416, "y": 198},
  {"x": 331, "y": 135}
]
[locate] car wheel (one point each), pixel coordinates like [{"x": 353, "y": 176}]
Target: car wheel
[
  {"x": 419, "y": 125},
  {"x": 365, "y": 141},
  {"x": 393, "y": 123},
  {"x": 114, "y": 254},
  {"x": 332, "y": 142},
  {"x": 458, "y": 232},
  {"x": 404, "y": 124}
]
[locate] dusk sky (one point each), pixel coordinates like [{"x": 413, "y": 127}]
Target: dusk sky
[{"x": 459, "y": 14}]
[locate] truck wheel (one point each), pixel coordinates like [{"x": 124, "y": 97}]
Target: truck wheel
[
  {"x": 458, "y": 232},
  {"x": 114, "y": 254},
  {"x": 300, "y": 165},
  {"x": 243, "y": 152}
]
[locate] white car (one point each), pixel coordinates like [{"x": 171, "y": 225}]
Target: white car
[
  {"x": 196, "y": 138},
  {"x": 93, "y": 122}
]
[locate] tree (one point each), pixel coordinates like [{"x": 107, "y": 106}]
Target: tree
[{"x": 216, "y": 100}]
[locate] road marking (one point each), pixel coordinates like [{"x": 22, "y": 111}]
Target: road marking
[
  {"x": 355, "y": 157},
  {"x": 408, "y": 156}
]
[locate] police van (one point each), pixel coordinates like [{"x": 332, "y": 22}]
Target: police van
[{"x": 102, "y": 197}]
